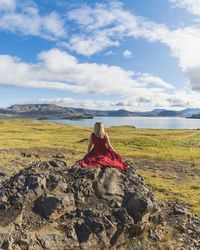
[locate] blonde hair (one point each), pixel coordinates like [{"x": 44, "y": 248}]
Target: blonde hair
[{"x": 99, "y": 129}]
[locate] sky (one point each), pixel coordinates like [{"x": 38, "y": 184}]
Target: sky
[{"x": 134, "y": 55}]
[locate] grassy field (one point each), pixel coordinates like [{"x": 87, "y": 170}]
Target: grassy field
[{"x": 169, "y": 160}]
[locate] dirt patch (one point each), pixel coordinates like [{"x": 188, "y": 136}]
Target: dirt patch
[
  {"x": 182, "y": 168},
  {"x": 13, "y": 160},
  {"x": 37, "y": 151}
]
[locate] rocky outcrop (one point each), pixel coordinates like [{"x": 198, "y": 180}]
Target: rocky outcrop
[{"x": 51, "y": 206}]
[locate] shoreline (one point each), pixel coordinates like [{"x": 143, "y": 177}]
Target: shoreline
[{"x": 75, "y": 122}]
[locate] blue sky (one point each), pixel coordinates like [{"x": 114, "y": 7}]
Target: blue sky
[{"x": 136, "y": 55}]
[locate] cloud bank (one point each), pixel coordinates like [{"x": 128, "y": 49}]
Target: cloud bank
[
  {"x": 24, "y": 18},
  {"x": 57, "y": 69},
  {"x": 98, "y": 28},
  {"x": 115, "y": 23}
]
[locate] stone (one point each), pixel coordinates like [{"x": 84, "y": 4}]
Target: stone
[
  {"x": 56, "y": 182},
  {"x": 58, "y": 163},
  {"x": 2, "y": 174},
  {"x": 122, "y": 216},
  {"x": 109, "y": 185},
  {"x": 34, "y": 181},
  {"x": 59, "y": 156},
  {"x": 5, "y": 244},
  {"x": 26, "y": 154},
  {"x": 23, "y": 244},
  {"x": 74, "y": 208},
  {"x": 178, "y": 209},
  {"x": 82, "y": 231},
  {"x": 53, "y": 207},
  {"x": 137, "y": 207}
]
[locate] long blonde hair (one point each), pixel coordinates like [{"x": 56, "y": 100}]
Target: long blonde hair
[{"x": 99, "y": 129}]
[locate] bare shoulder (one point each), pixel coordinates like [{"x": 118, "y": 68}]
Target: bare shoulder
[{"x": 106, "y": 136}]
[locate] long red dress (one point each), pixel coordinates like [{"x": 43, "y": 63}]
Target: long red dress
[{"x": 102, "y": 156}]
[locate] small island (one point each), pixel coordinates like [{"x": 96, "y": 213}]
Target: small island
[{"x": 197, "y": 116}]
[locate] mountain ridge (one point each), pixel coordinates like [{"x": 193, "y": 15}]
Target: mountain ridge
[{"x": 55, "y": 111}]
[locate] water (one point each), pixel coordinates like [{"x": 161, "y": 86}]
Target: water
[{"x": 138, "y": 122}]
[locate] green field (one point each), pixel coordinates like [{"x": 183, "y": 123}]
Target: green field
[{"x": 169, "y": 160}]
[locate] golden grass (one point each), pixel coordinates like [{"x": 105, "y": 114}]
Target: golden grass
[
  {"x": 177, "y": 145},
  {"x": 166, "y": 187},
  {"x": 150, "y": 143}
]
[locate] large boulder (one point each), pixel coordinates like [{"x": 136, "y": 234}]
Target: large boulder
[{"x": 51, "y": 206}]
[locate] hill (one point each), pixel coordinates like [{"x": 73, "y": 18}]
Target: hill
[{"x": 51, "y": 111}]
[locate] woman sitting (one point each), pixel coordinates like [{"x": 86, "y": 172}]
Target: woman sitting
[{"x": 100, "y": 151}]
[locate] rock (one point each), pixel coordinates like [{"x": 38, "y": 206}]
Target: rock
[
  {"x": 59, "y": 156},
  {"x": 178, "y": 209},
  {"x": 2, "y": 174},
  {"x": 82, "y": 231},
  {"x": 50, "y": 206},
  {"x": 58, "y": 163},
  {"x": 53, "y": 207},
  {"x": 56, "y": 182},
  {"x": 122, "y": 216},
  {"x": 176, "y": 216},
  {"x": 23, "y": 244},
  {"x": 35, "y": 181},
  {"x": 26, "y": 154},
  {"x": 5, "y": 244},
  {"x": 109, "y": 186},
  {"x": 137, "y": 207},
  {"x": 55, "y": 241}
]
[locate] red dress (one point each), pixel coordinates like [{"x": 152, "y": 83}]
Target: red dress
[{"x": 102, "y": 156}]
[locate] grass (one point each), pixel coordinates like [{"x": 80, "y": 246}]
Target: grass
[
  {"x": 164, "y": 188},
  {"x": 151, "y": 144}
]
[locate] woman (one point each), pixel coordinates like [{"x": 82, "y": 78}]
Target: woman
[{"x": 100, "y": 151}]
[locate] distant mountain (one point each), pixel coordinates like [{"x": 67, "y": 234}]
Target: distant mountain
[
  {"x": 189, "y": 111},
  {"x": 36, "y": 107},
  {"x": 51, "y": 111},
  {"x": 169, "y": 113},
  {"x": 122, "y": 112},
  {"x": 154, "y": 112},
  {"x": 6, "y": 111},
  {"x": 42, "y": 110}
]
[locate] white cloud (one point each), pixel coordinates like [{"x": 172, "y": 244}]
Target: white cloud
[
  {"x": 99, "y": 28},
  {"x": 192, "y": 6},
  {"x": 26, "y": 19},
  {"x": 53, "y": 25},
  {"x": 127, "y": 53},
  {"x": 111, "y": 23},
  {"x": 116, "y": 23},
  {"x": 88, "y": 46},
  {"x": 142, "y": 100},
  {"x": 150, "y": 79},
  {"x": 7, "y": 5},
  {"x": 109, "y": 53},
  {"x": 56, "y": 69},
  {"x": 104, "y": 26},
  {"x": 76, "y": 103}
]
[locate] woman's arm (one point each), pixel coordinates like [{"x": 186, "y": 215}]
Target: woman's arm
[
  {"x": 108, "y": 143},
  {"x": 90, "y": 144}
]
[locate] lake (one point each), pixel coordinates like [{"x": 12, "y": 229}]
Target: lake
[{"x": 138, "y": 122}]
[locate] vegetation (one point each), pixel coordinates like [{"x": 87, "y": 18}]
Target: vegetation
[{"x": 173, "y": 155}]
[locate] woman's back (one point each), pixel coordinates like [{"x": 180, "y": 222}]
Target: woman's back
[{"x": 99, "y": 143}]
